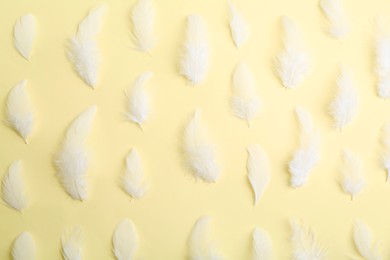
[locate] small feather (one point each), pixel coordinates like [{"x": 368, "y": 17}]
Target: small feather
[
  {"x": 24, "y": 34},
  {"x": 353, "y": 180},
  {"x": 386, "y": 149},
  {"x": 133, "y": 178},
  {"x": 71, "y": 240},
  {"x": 72, "y": 159},
  {"x": 238, "y": 26},
  {"x": 262, "y": 245},
  {"x": 142, "y": 17},
  {"x": 125, "y": 240},
  {"x": 382, "y": 58},
  {"x": 305, "y": 243},
  {"x": 13, "y": 190},
  {"x": 334, "y": 12},
  {"x": 364, "y": 243},
  {"x": 23, "y": 247}
]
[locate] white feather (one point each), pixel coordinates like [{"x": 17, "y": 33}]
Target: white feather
[
  {"x": 23, "y": 247},
  {"x": 245, "y": 102},
  {"x": 200, "y": 246},
  {"x": 83, "y": 49},
  {"x": 238, "y": 26},
  {"x": 305, "y": 243},
  {"x": 259, "y": 169},
  {"x": 364, "y": 243},
  {"x": 386, "y": 149},
  {"x": 142, "y": 17},
  {"x": 199, "y": 151},
  {"x": 262, "y": 245},
  {"x": 133, "y": 177},
  {"x": 353, "y": 180},
  {"x": 382, "y": 58},
  {"x": 72, "y": 159},
  {"x": 344, "y": 107},
  {"x": 19, "y": 110},
  {"x": 13, "y": 190},
  {"x": 138, "y": 100},
  {"x": 24, "y": 34},
  {"x": 334, "y": 12},
  {"x": 125, "y": 240},
  {"x": 307, "y": 156},
  {"x": 293, "y": 63},
  {"x": 71, "y": 240},
  {"x": 194, "y": 61}
]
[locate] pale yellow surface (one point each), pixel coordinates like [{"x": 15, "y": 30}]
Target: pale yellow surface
[{"x": 175, "y": 200}]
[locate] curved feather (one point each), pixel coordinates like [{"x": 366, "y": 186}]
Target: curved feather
[
  {"x": 259, "y": 169},
  {"x": 353, "y": 180},
  {"x": 133, "y": 178},
  {"x": 386, "y": 149},
  {"x": 142, "y": 17},
  {"x": 382, "y": 58},
  {"x": 238, "y": 26},
  {"x": 125, "y": 240},
  {"x": 199, "y": 151},
  {"x": 19, "y": 110},
  {"x": 362, "y": 238},
  {"x": 13, "y": 190},
  {"x": 23, "y": 247},
  {"x": 194, "y": 61},
  {"x": 71, "y": 240},
  {"x": 293, "y": 63},
  {"x": 305, "y": 243},
  {"x": 262, "y": 245},
  {"x": 24, "y": 34},
  {"x": 335, "y": 13},
  {"x": 245, "y": 102},
  {"x": 72, "y": 159}
]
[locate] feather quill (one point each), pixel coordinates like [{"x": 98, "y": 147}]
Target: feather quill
[
  {"x": 305, "y": 243},
  {"x": 238, "y": 26},
  {"x": 71, "y": 240},
  {"x": 72, "y": 159},
  {"x": 125, "y": 240},
  {"x": 199, "y": 151},
  {"x": 245, "y": 102},
  {"x": 293, "y": 63},
  {"x": 382, "y": 58},
  {"x": 142, "y": 17},
  {"x": 194, "y": 60},
  {"x": 353, "y": 180},
  {"x": 13, "y": 190},
  {"x": 364, "y": 243},
  {"x": 262, "y": 245},
  {"x": 83, "y": 51},
  {"x": 24, "y": 34},
  {"x": 334, "y": 12},
  {"x": 386, "y": 149},
  {"x": 133, "y": 178},
  {"x": 19, "y": 110},
  {"x": 259, "y": 170},
  {"x": 23, "y": 247}
]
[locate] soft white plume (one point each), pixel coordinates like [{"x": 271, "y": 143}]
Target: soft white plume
[
  {"x": 386, "y": 149},
  {"x": 334, "y": 12},
  {"x": 133, "y": 177},
  {"x": 125, "y": 240},
  {"x": 259, "y": 169},
  {"x": 13, "y": 190},
  {"x": 238, "y": 26},
  {"x": 353, "y": 180},
  {"x": 262, "y": 245},
  {"x": 72, "y": 159},
  {"x": 142, "y": 17},
  {"x": 19, "y": 110},
  {"x": 382, "y": 57},
  {"x": 364, "y": 243},
  {"x": 194, "y": 60},
  {"x": 72, "y": 240},
  {"x": 199, "y": 151},
  {"x": 24, "y": 34},
  {"x": 83, "y": 49},
  {"x": 305, "y": 243},
  {"x": 245, "y": 102},
  {"x": 23, "y": 247},
  {"x": 293, "y": 63}
]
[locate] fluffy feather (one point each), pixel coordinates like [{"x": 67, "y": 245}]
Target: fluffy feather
[
  {"x": 138, "y": 101},
  {"x": 200, "y": 246},
  {"x": 125, "y": 240},
  {"x": 194, "y": 61},
  {"x": 133, "y": 178},
  {"x": 24, "y": 34},
  {"x": 353, "y": 180},
  {"x": 23, "y": 247},
  {"x": 334, "y": 12},
  {"x": 142, "y": 17},
  {"x": 262, "y": 245},
  {"x": 19, "y": 110},
  {"x": 293, "y": 63},
  {"x": 13, "y": 191},
  {"x": 83, "y": 49},
  {"x": 386, "y": 149},
  {"x": 305, "y": 243},
  {"x": 364, "y": 242},
  {"x": 245, "y": 103},
  {"x": 238, "y": 26},
  {"x": 199, "y": 152},
  {"x": 72, "y": 159},
  {"x": 71, "y": 240},
  {"x": 307, "y": 156},
  {"x": 259, "y": 169},
  {"x": 382, "y": 58},
  {"x": 344, "y": 107}
]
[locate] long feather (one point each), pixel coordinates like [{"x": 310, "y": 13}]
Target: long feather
[
  {"x": 305, "y": 243},
  {"x": 24, "y": 34},
  {"x": 363, "y": 241},
  {"x": 71, "y": 240},
  {"x": 83, "y": 49},
  {"x": 138, "y": 101},
  {"x": 334, "y": 12},
  {"x": 238, "y": 26},
  {"x": 194, "y": 61},
  {"x": 133, "y": 177},
  {"x": 262, "y": 245},
  {"x": 19, "y": 110},
  {"x": 245, "y": 102},
  {"x": 386, "y": 149},
  {"x": 259, "y": 169},
  {"x": 293, "y": 63},
  {"x": 142, "y": 17},
  {"x": 382, "y": 58},
  {"x": 72, "y": 159},
  {"x": 13, "y": 190},
  {"x": 353, "y": 180},
  {"x": 199, "y": 151},
  {"x": 125, "y": 240},
  {"x": 307, "y": 156},
  {"x": 23, "y": 247}
]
